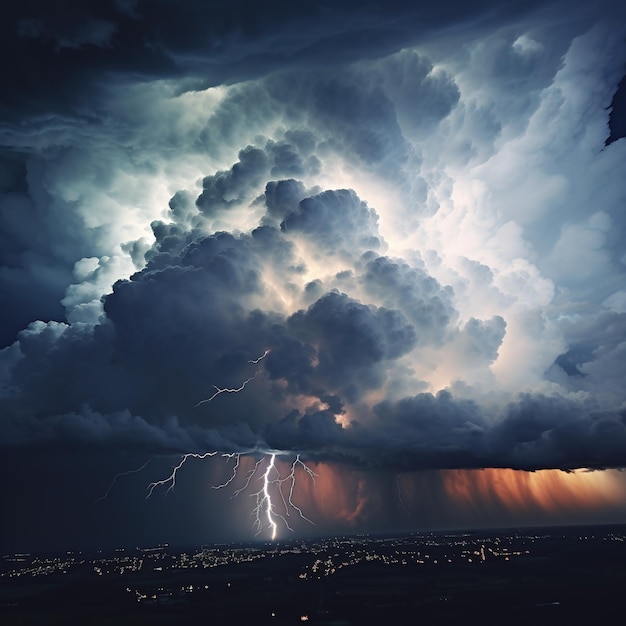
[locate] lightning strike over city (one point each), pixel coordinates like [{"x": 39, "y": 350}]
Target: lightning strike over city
[
  {"x": 264, "y": 501},
  {"x": 270, "y": 479},
  {"x": 339, "y": 269}
]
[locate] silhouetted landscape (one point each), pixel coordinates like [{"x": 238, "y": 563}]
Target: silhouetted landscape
[{"x": 558, "y": 575}]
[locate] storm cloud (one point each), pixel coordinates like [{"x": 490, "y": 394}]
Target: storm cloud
[{"x": 398, "y": 232}]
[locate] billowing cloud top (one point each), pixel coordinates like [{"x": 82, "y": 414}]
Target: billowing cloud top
[{"x": 384, "y": 238}]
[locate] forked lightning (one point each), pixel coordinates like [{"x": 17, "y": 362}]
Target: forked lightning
[{"x": 266, "y": 514}]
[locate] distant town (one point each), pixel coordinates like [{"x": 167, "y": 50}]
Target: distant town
[{"x": 341, "y": 580}]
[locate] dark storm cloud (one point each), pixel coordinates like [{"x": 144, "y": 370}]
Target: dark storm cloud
[
  {"x": 417, "y": 432},
  {"x": 60, "y": 54},
  {"x": 225, "y": 189},
  {"x": 186, "y": 321},
  {"x": 425, "y": 431},
  {"x": 336, "y": 220},
  {"x": 358, "y": 117},
  {"x": 39, "y": 244},
  {"x": 72, "y": 67},
  {"x": 283, "y": 196},
  {"x": 543, "y": 431},
  {"x": 351, "y": 339},
  {"x": 428, "y": 305},
  {"x": 349, "y": 333}
]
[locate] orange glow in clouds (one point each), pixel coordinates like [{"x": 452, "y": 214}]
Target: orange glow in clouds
[
  {"x": 462, "y": 498},
  {"x": 548, "y": 491},
  {"x": 343, "y": 499},
  {"x": 338, "y": 494}
]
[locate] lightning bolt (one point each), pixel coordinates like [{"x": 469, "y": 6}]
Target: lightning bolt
[
  {"x": 265, "y": 506},
  {"x": 255, "y": 361},
  {"x": 271, "y": 480},
  {"x": 220, "y": 390},
  {"x": 171, "y": 479},
  {"x": 133, "y": 471},
  {"x": 266, "y": 514},
  {"x": 264, "y": 502},
  {"x": 237, "y": 456},
  {"x": 291, "y": 478}
]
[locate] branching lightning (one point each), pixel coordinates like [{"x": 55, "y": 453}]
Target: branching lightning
[
  {"x": 220, "y": 390},
  {"x": 266, "y": 514},
  {"x": 271, "y": 480},
  {"x": 264, "y": 504},
  {"x": 171, "y": 479},
  {"x": 237, "y": 456},
  {"x": 291, "y": 479},
  {"x": 133, "y": 471}
]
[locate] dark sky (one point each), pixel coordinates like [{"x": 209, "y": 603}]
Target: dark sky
[{"x": 385, "y": 239}]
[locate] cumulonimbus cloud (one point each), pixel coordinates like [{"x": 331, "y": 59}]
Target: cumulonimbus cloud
[{"x": 424, "y": 245}]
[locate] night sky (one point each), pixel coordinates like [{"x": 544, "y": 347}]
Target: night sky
[{"x": 384, "y": 238}]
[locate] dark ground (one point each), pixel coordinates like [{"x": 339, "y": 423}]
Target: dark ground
[{"x": 551, "y": 576}]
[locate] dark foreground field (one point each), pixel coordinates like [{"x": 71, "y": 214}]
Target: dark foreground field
[{"x": 552, "y": 576}]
